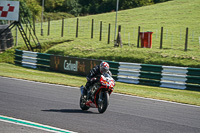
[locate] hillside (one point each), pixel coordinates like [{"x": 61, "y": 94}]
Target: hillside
[{"x": 174, "y": 16}]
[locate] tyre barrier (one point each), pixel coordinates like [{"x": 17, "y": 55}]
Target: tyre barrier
[{"x": 6, "y": 39}]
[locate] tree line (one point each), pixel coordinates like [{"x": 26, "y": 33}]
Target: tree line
[
  {"x": 33, "y": 8},
  {"x": 84, "y": 7}
]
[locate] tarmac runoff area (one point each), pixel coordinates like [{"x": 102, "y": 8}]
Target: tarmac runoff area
[{"x": 6, "y": 127}]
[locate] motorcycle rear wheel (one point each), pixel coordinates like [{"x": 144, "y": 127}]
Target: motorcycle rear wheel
[
  {"x": 103, "y": 104},
  {"x": 82, "y": 103}
]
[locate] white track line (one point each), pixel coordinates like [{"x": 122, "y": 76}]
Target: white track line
[{"x": 33, "y": 125}]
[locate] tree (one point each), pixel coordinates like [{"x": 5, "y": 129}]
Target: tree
[
  {"x": 29, "y": 8},
  {"x": 107, "y": 6},
  {"x": 127, "y": 4},
  {"x": 77, "y": 7},
  {"x": 70, "y": 6},
  {"x": 159, "y": 1},
  {"x": 34, "y": 8},
  {"x": 50, "y": 5}
]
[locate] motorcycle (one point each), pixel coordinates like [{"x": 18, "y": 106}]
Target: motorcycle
[{"x": 99, "y": 94}]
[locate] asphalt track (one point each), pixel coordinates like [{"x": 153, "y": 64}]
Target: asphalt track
[{"x": 58, "y": 106}]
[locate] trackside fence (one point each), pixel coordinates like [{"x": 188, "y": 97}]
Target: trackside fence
[
  {"x": 156, "y": 75},
  {"x": 142, "y": 74},
  {"x": 32, "y": 59}
]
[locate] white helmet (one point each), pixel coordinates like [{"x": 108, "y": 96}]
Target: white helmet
[{"x": 104, "y": 67}]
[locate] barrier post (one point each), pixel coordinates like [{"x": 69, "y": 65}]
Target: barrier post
[
  {"x": 48, "y": 26},
  {"x": 100, "y": 31},
  {"x": 138, "y": 42},
  {"x": 186, "y": 39},
  {"x": 92, "y": 28},
  {"x": 161, "y": 38},
  {"x": 77, "y": 28},
  {"x": 62, "y": 27},
  {"x": 109, "y": 34}
]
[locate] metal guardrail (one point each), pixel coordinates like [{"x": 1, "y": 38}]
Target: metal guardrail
[
  {"x": 32, "y": 59},
  {"x": 157, "y": 75}
]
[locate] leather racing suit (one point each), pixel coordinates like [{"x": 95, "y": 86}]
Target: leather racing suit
[{"x": 93, "y": 76}]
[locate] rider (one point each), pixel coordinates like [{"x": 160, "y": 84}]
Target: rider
[{"x": 95, "y": 74}]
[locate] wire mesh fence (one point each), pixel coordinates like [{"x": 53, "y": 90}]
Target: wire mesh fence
[{"x": 173, "y": 37}]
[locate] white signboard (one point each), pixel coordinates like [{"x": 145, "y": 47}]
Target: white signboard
[{"x": 9, "y": 10}]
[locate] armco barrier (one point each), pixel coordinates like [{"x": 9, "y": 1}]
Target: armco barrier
[
  {"x": 32, "y": 59},
  {"x": 156, "y": 75},
  {"x": 134, "y": 73}
]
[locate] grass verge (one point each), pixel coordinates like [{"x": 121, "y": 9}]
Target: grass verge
[
  {"x": 181, "y": 96},
  {"x": 94, "y": 49}
]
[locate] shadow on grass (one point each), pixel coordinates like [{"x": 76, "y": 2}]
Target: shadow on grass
[{"x": 58, "y": 42}]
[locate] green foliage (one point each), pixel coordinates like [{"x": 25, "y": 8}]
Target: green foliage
[
  {"x": 8, "y": 56},
  {"x": 83, "y": 7},
  {"x": 127, "y": 4},
  {"x": 29, "y": 9},
  {"x": 159, "y": 1},
  {"x": 51, "y": 5},
  {"x": 25, "y": 12},
  {"x": 57, "y": 16},
  {"x": 71, "y": 6},
  {"x": 34, "y": 7},
  {"x": 102, "y": 6}
]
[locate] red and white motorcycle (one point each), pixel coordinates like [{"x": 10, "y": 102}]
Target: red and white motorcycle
[{"x": 99, "y": 95}]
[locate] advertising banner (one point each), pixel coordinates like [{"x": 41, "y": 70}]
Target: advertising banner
[
  {"x": 73, "y": 65},
  {"x": 9, "y": 10}
]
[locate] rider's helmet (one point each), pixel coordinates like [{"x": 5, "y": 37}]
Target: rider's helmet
[{"x": 104, "y": 67}]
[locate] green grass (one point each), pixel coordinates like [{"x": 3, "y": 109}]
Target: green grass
[
  {"x": 78, "y": 48},
  {"x": 181, "y": 96},
  {"x": 173, "y": 15},
  {"x": 7, "y": 56}
]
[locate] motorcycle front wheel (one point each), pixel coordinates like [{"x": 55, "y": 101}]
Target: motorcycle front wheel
[
  {"x": 82, "y": 103},
  {"x": 103, "y": 102}
]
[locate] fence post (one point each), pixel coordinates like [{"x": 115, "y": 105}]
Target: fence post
[
  {"x": 100, "y": 31},
  {"x": 92, "y": 28},
  {"x": 109, "y": 34},
  {"x": 34, "y": 25},
  {"x": 119, "y": 40},
  {"x": 77, "y": 28},
  {"x": 186, "y": 39},
  {"x": 62, "y": 27},
  {"x": 161, "y": 38},
  {"x": 138, "y": 42},
  {"x": 48, "y": 26},
  {"x": 16, "y": 42}
]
